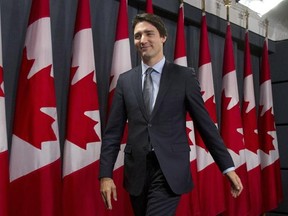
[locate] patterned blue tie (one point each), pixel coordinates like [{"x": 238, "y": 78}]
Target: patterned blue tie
[{"x": 148, "y": 90}]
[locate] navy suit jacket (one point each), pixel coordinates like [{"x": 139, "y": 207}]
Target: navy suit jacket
[{"x": 179, "y": 93}]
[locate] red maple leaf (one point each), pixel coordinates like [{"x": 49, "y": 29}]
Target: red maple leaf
[
  {"x": 83, "y": 98},
  {"x": 1, "y": 81},
  {"x": 249, "y": 128},
  {"x": 231, "y": 122},
  {"x": 30, "y": 123},
  {"x": 266, "y": 124}
]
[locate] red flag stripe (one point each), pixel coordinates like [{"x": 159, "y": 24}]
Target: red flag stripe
[
  {"x": 149, "y": 7},
  {"x": 204, "y": 51},
  {"x": 122, "y": 31},
  {"x": 4, "y": 180},
  {"x": 83, "y": 19},
  {"x": 39, "y": 9},
  {"x": 265, "y": 67},
  {"x": 180, "y": 46},
  {"x": 229, "y": 58}
]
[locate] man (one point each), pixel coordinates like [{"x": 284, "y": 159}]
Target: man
[{"x": 156, "y": 163}]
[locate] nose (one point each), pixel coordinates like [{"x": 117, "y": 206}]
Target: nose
[{"x": 143, "y": 38}]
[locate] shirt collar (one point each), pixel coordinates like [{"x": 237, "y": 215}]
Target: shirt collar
[{"x": 157, "y": 67}]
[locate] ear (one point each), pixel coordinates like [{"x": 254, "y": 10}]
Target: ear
[{"x": 163, "y": 39}]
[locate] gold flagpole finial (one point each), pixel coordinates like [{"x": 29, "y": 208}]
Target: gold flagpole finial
[
  {"x": 247, "y": 18},
  {"x": 266, "y": 22},
  {"x": 227, "y": 4}
]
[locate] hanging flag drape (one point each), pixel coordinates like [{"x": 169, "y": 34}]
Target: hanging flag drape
[
  {"x": 4, "y": 173},
  {"x": 180, "y": 57},
  {"x": 250, "y": 130},
  {"x": 81, "y": 192},
  {"x": 149, "y": 6},
  {"x": 121, "y": 62},
  {"x": 270, "y": 163},
  {"x": 35, "y": 169},
  {"x": 189, "y": 203},
  {"x": 32, "y": 183},
  {"x": 232, "y": 129},
  {"x": 211, "y": 198}
]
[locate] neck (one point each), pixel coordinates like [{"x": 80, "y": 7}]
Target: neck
[{"x": 152, "y": 61}]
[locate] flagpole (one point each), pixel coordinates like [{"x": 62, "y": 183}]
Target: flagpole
[
  {"x": 266, "y": 23},
  {"x": 203, "y": 7},
  {"x": 247, "y": 19},
  {"x": 227, "y": 4}
]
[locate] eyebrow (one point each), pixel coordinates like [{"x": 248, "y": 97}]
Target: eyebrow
[{"x": 145, "y": 31}]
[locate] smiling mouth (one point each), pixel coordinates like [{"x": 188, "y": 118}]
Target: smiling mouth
[{"x": 144, "y": 48}]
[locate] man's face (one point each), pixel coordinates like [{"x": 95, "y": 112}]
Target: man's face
[{"x": 148, "y": 42}]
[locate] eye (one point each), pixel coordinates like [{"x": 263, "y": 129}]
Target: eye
[
  {"x": 150, "y": 33},
  {"x": 137, "y": 36}
]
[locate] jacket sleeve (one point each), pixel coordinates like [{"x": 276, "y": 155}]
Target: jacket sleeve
[
  {"x": 113, "y": 133},
  {"x": 204, "y": 124}
]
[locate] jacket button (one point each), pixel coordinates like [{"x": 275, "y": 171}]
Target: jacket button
[{"x": 149, "y": 125}]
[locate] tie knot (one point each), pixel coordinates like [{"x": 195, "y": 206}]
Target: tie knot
[{"x": 149, "y": 71}]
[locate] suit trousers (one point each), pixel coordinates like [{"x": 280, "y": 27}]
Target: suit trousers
[{"x": 157, "y": 198}]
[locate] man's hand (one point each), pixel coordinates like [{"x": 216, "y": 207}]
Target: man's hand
[
  {"x": 107, "y": 187},
  {"x": 236, "y": 184}
]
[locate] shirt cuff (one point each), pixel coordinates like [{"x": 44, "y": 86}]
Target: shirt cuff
[{"x": 228, "y": 170}]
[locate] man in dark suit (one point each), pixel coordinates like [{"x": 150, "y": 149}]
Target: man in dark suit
[{"x": 156, "y": 163}]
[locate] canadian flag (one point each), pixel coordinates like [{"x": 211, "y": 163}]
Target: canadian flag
[
  {"x": 149, "y": 7},
  {"x": 250, "y": 129},
  {"x": 121, "y": 62},
  {"x": 212, "y": 199},
  {"x": 232, "y": 129},
  {"x": 189, "y": 203},
  {"x": 4, "y": 173},
  {"x": 35, "y": 168},
  {"x": 269, "y": 154},
  {"x": 180, "y": 57},
  {"x": 81, "y": 192}
]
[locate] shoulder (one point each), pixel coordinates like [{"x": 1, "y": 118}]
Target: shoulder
[
  {"x": 130, "y": 72},
  {"x": 179, "y": 70}
]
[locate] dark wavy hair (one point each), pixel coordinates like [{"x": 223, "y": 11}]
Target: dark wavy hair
[{"x": 152, "y": 19}]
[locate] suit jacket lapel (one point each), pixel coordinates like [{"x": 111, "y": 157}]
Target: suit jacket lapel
[
  {"x": 164, "y": 86},
  {"x": 136, "y": 82}
]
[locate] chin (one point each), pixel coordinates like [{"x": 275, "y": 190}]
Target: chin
[{"x": 146, "y": 57}]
